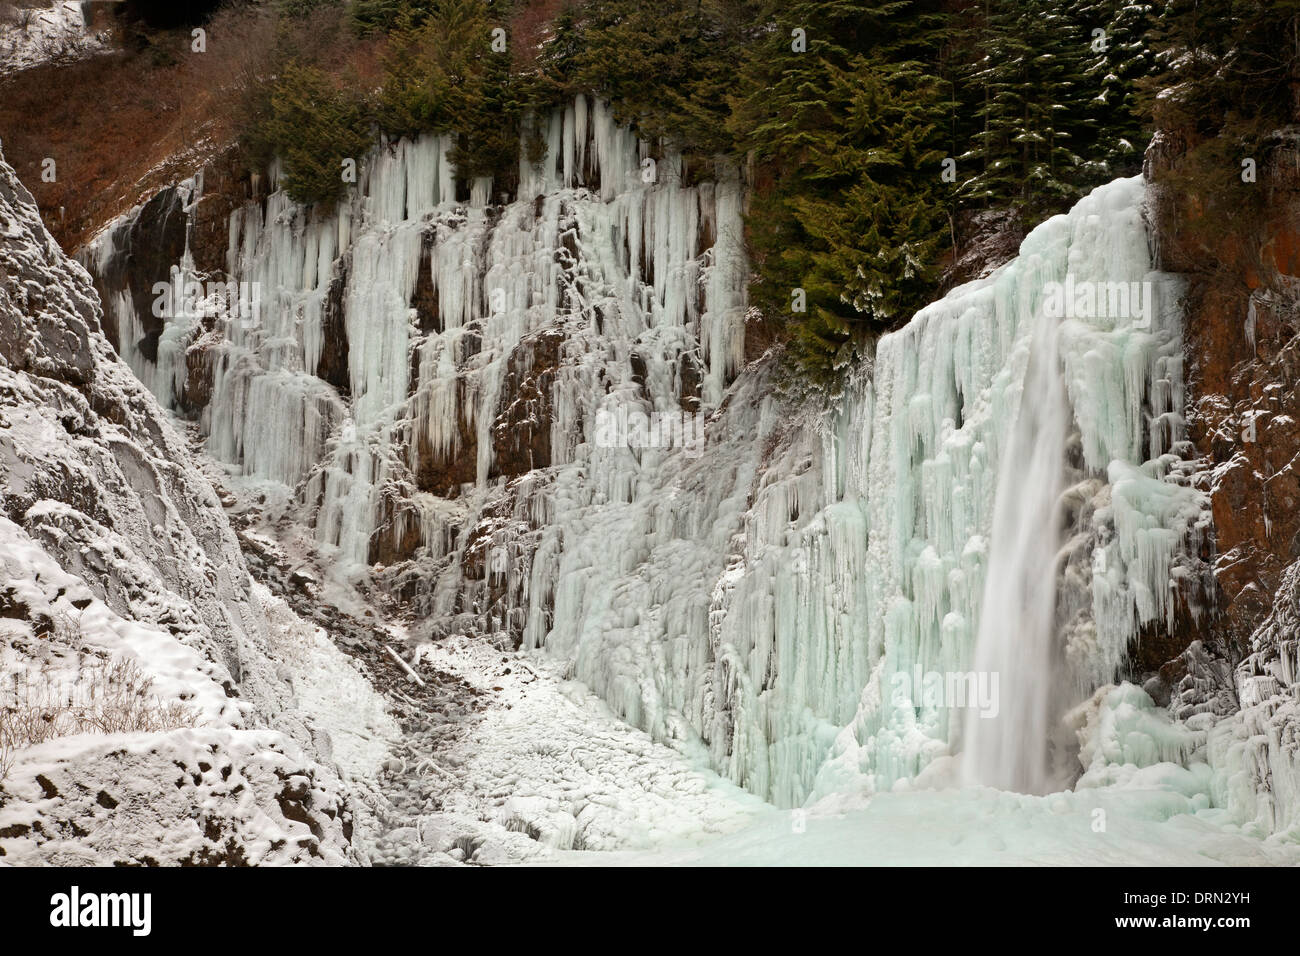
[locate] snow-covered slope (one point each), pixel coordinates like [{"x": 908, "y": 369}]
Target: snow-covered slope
[{"x": 143, "y": 714}]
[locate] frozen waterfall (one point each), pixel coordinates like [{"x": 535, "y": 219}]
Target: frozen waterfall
[
  {"x": 803, "y": 605},
  {"x": 816, "y": 604}
]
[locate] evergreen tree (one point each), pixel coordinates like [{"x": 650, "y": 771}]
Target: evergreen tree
[
  {"x": 1223, "y": 62},
  {"x": 877, "y": 241},
  {"x": 844, "y": 110},
  {"x": 1120, "y": 59},
  {"x": 666, "y": 67},
  {"x": 313, "y": 124},
  {"x": 1033, "y": 106},
  {"x": 375, "y": 16},
  {"x": 442, "y": 75},
  {"x": 849, "y": 127}
]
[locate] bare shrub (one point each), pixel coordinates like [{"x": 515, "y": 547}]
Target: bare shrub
[
  {"x": 64, "y": 48},
  {"x": 110, "y": 696}
]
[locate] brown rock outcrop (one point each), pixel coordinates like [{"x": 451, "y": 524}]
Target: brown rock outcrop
[
  {"x": 1242, "y": 331},
  {"x": 521, "y": 434},
  {"x": 443, "y": 473}
]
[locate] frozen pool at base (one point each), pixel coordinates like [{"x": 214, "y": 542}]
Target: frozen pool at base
[
  {"x": 1145, "y": 825},
  {"x": 553, "y": 754},
  {"x": 1155, "y": 793}
]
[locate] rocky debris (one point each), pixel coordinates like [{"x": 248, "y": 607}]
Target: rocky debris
[
  {"x": 432, "y": 712},
  {"x": 51, "y": 33}
]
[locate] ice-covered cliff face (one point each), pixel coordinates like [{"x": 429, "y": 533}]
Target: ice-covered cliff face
[
  {"x": 461, "y": 393},
  {"x": 386, "y": 334},
  {"x": 853, "y": 613},
  {"x": 126, "y": 608}
]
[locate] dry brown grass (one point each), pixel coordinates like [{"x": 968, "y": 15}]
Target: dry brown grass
[
  {"x": 109, "y": 697},
  {"x": 121, "y": 126},
  {"x": 529, "y": 26},
  {"x": 101, "y": 121}
]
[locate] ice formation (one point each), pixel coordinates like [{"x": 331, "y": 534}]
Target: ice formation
[
  {"x": 661, "y": 270},
  {"x": 776, "y": 606},
  {"x": 1017, "y": 636},
  {"x": 890, "y": 574}
]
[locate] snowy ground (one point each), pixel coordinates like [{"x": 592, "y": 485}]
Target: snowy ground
[
  {"x": 491, "y": 756},
  {"x": 982, "y": 827},
  {"x": 549, "y": 761},
  {"x": 125, "y": 704},
  {"x": 545, "y": 774},
  {"x": 550, "y": 764},
  {"x": 31, "y": 34}
]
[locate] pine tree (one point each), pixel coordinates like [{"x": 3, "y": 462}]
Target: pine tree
[
  {"x": 849, "y": 219},
  {"x": 665, "y": 67},
  {"x": 442, "y": 75},
  {"x": 1120, "y": 59},
  {"x": 377, "y": 16},
  {"x": 1033, "y": 106},
  {"x": 313, "y": 125},
  {"x": 878, "y": 242},
  {"x": 1227, "y": 61}
]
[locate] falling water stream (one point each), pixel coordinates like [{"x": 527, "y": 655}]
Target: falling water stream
[{"x": 1008, "y": 749}]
